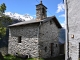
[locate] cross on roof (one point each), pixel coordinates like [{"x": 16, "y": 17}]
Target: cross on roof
[{"x": 41, "y": 1}]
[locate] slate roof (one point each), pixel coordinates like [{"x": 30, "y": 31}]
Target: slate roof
[
  {"x": 38, "y": 21},
  {"x": 41, "y": 4}
]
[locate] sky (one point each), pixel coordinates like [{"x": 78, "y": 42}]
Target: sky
[{"x": 55, "y": 7}]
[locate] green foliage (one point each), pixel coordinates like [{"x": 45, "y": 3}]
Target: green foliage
[
  {"x": 4, "y": 21},
  {"x": 11, "y": 57},
  {"x": 2, "y": 31},
  {"x": 2, "y": 7}
]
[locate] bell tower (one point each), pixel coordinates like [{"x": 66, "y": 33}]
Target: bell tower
[{"x": 41, "y": 11}]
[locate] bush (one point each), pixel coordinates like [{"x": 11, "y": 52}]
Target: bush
[{"x": 11, "y": 57}]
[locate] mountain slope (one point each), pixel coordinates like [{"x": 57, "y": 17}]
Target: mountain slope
[{"x": 19, "y": 17}]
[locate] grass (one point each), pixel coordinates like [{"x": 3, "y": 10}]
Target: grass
[{"x": 11, "y": 57}]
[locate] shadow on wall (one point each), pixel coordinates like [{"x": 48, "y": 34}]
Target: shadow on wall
[
  {"x": 4, "y": 44},
  {"x": 62, "y": 41}
]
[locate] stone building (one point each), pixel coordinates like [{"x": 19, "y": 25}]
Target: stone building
[
  {"x": 73, "y": 29},
  {"x": 36, "y": 38}
]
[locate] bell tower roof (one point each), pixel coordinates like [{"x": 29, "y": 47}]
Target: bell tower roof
[
  {"x": 41, "y": 11},
  {"x": 41, "y": 4}
]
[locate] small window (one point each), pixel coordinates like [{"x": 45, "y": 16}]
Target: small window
[
  {"x": 45, "y": 49},
  {"x": 51, "y": 22},
  {"x": 19, "y": 39}
]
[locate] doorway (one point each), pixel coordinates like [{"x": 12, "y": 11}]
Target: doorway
[{"x": 52, "y": 48}]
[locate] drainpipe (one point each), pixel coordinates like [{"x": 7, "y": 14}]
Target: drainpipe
[
  {"x": 38, "y": 37},
  {"x": 39, "y": 29},
  {"x": 67, "y": 57}
]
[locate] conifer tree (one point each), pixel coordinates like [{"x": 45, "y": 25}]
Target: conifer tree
[{"x": 4, "y": 20}]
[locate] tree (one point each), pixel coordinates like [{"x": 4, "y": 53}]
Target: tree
[
  {"x": 3, "y": 7},
  {"x": 4, "y": 20}
]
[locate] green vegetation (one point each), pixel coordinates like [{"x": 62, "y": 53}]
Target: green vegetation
[
  {"x": 2, "y": 7},
  {"x": 4, "y": 21},
  {"x": 11, "y": 57}
]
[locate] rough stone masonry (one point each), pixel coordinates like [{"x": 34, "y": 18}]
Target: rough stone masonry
[
  {"x": 36, "y": 38},
  {"x": 74, "y": 28}
]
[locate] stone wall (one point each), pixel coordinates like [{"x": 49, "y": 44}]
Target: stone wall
[
  {"x": 48, "y": 34},
  {"x": 74, "y": 28},
  {"x": 35, "y": 41},
  {"x": 29, "y": 40},
  {"x": 41, "y": 12}
]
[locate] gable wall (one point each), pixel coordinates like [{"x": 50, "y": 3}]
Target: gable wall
[
  {"x": 48, "y": 34},
  {"x": 29, "y": 42},
  {"x": 74, "y": 28}
]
